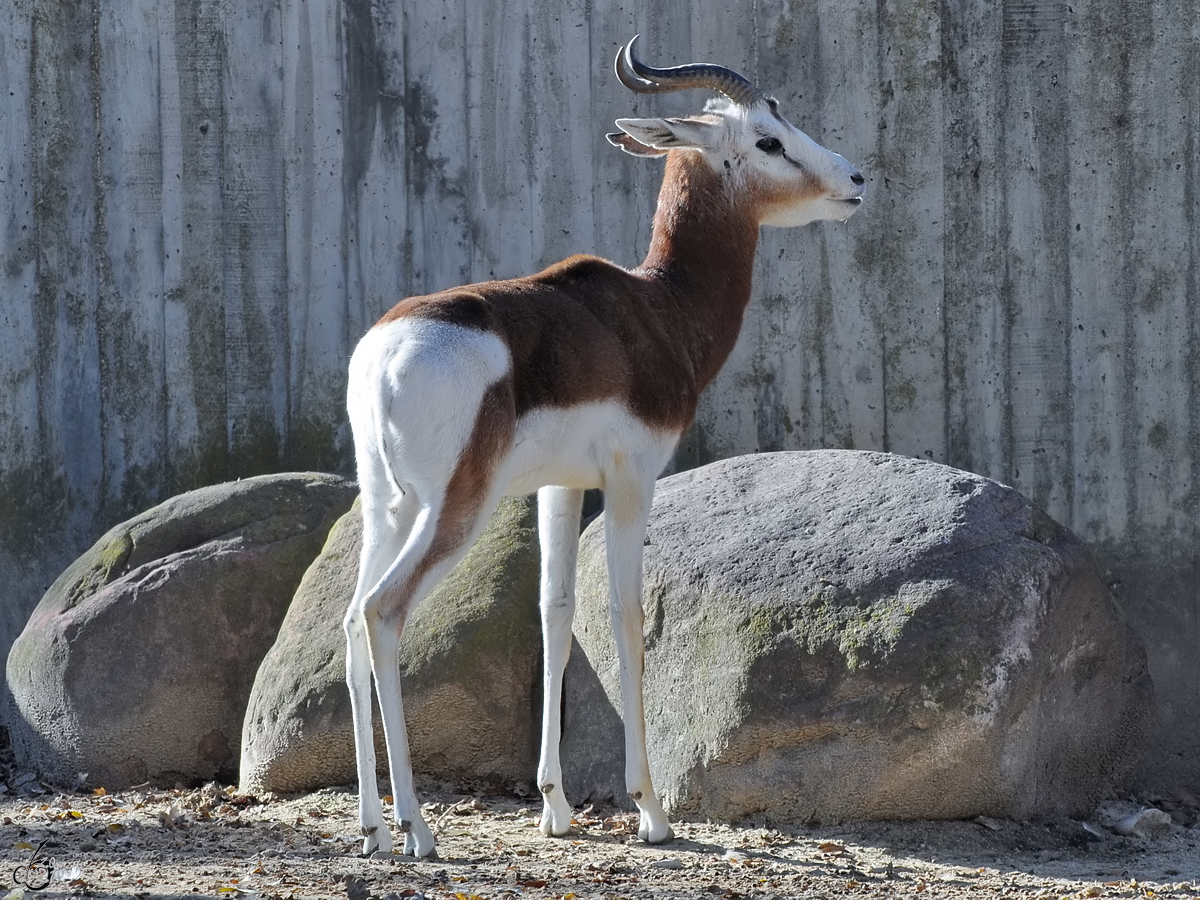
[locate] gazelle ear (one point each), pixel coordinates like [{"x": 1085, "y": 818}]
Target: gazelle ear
[
  {"x": 667, "y": 134},
  {"x": 631, "y": 145}
]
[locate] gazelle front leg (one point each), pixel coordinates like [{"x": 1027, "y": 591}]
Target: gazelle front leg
[
  {"x": 626, "y": 510},
  {"x": 558, "y": 532}
]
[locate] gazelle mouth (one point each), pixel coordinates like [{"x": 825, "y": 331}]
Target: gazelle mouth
[{"x": 852, "y": 204}]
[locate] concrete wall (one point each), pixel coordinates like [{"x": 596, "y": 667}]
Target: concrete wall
[{"x": 203, "y": 204}]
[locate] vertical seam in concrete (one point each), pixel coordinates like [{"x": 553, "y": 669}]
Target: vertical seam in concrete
[
  {"x": 885, "y": 438},
  {"x": 1061, "y": 101},
  {"x": 823, "y": 324},
  {"x": 527, "y": 101},
  {"x": 822, "y": 319},
  {"x": 466, "y": 268},
  {"x": 945, "y": 31},
  {"x": 877, "y": 319},
  {"x": 754, "y": 43},
  {"x": 407, "y": 289},
  {"x": 1122, "y": 147},
  {"x": 164, "y": 399},
  {"x": 1005, "y": 288},
  {"x": 37, "y": 139},
  {"x": 103, "y": 337},
  {"x": 304, "y": 153},
  {"x": 222, "y": 71},
  {"x": 1192, "y": 287},
  {"x": 286, "y": 446},
  {"x": 351, "y": 206}
]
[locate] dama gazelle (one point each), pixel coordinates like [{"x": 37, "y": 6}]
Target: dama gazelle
[{"x": 582, "y": 376}]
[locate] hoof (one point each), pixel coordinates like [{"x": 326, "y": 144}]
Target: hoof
[
  {"x": 655, "y": 832},
  {"x": 376, "y": 840},
  {"x": 653, "y": 825},
  {"x": 418, "y": 839},
  {"x": 556, "y": 813}
]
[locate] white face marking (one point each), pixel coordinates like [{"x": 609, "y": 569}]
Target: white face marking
[
  {"x": 811, "y": 182},
  {"x": 794, "y": 179}
]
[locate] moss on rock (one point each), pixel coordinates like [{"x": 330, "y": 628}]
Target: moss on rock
[
  {"x": 138, "y": 660},
  {"x": 858, "y": 635},
  {"x": 469, "y": 657}
]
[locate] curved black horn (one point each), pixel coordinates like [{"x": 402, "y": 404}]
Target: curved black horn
[{"x": 644, "y": 79}]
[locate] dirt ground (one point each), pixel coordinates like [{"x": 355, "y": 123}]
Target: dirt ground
[{"x": 211, "y": 842}]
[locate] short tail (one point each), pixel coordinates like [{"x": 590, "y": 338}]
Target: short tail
[{"x": 385, "y": 456}]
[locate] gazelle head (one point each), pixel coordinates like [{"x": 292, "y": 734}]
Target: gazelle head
[{"x": 788, "y": 177}]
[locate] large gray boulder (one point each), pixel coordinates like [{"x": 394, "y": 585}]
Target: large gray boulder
[
  {"x": 137, "y": 663},
  {"x": 838, "y": 635},
  {"x": 469, "y": 660}
]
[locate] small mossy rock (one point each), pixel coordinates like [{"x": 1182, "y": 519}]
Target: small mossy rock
[
  {"x": 137, "y": 663},
  {"x": 469, "y": 659},
  {"x": 848, "y": 635}
]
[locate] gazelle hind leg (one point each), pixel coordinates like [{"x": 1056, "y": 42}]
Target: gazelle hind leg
[
  {"x": 383, "y": 613},
  {"x": 432, "y": 413},
  {"x": 376, "y": 836},
  {"x": 558, "y": 530},
  {"x": 384, "y": 638},
  {"x": 627, "y": 508},
  {"x": 383, "y": 538},
  {"x": 442, "y": 534}
]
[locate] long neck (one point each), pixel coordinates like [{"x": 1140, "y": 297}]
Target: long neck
[{"x": 702, "y": 248}]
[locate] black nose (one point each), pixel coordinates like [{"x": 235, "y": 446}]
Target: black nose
[{"x": 857, "y": 178}]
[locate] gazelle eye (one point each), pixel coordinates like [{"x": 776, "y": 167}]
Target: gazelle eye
[{"x": 770, "y": 145}]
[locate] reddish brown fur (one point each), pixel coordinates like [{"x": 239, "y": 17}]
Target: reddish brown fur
[
  {"x": 469, "y": 486},
  {"x": 587, "y": 330},
  {"x": 768, "y": 198}
]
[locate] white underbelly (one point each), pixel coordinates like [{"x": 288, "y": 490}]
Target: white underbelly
[{"x": 580, "y": 446}]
